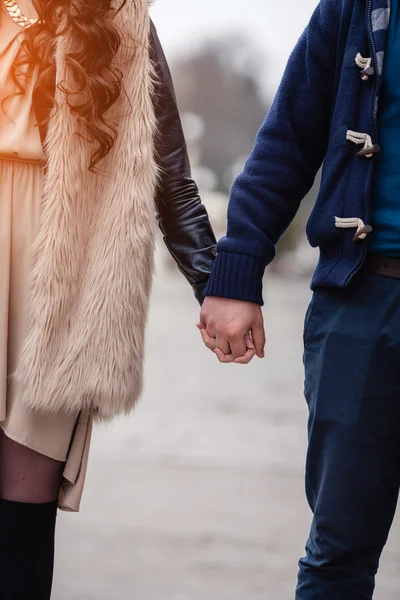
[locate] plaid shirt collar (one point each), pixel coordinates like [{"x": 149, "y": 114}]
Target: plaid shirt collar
[{"x": 379, "y": 15}]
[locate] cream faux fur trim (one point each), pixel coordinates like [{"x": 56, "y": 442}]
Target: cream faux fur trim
[{"x": 92, "y": 277}]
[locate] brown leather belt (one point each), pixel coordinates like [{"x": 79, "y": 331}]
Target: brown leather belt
[{"x": 379, "y": 264}]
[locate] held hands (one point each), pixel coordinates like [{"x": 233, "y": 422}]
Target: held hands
[{"x": 232, "y": 329}]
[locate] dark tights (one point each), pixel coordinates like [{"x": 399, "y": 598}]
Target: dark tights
[
  {"x": 29, "y": 486},
  {"x": 26, "y": 475}
]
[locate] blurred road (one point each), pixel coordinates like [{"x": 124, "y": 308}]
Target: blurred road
[{"x": 199, "y": 495}]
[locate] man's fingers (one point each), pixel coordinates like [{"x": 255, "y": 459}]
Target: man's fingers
[
  {"x": 258, "y": 335},
  {"x": 223, "y": 344},
  {"x": 224, "y": 358},
  {"x": 224, "y": 354},
  {"x": 231, "y": 346},
  {"x": 233, "y": 319},
  {"x": 249, "y": 354},
  {"x": 249, "y": 341},
  {"x": 240, "y": 350},
  {"x": 244, "y": 360},
  {"x": 238, "y": 345}
]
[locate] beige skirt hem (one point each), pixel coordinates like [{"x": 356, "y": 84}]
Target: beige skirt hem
[
  {"x": 76, "y": 462},
  {"x": 63, "y": 497}
]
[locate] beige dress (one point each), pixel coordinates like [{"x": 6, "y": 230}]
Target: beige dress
[{"x": 62, "y": 437}]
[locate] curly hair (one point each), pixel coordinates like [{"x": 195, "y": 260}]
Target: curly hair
[{"x": 97, "y": 81}]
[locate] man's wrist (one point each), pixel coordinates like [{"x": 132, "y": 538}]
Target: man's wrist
[{"x": 237, "y": 276}]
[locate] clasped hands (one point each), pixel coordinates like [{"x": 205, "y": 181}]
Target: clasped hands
[{"x": 232, "y": 329}]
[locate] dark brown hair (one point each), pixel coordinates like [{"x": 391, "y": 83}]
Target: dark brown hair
[{"x": 97, "y": 82}]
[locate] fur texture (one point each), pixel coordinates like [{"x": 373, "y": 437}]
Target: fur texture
[{"x": 92, "y": 275}]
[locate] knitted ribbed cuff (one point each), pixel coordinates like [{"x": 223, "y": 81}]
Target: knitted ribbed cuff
[{"x": 236, "y": 276}]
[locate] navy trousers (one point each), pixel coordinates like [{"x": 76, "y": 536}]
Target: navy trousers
[{"x": 352, "y": 387}]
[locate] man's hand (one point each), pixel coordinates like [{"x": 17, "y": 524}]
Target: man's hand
[{"x": 233, "y": 329}]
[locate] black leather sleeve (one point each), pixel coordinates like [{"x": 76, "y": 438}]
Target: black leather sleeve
[{"x": 182, "y": 217}]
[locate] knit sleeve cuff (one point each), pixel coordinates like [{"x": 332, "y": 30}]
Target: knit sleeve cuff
[{"x": 236, "y": 276}]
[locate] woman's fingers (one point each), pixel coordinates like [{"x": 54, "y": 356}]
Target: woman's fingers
[
  {"x": 221, "y": 347},
  {"x": 241, "y": 360},
  {"x": 209, "y": 341},
  {"x": 249, "y": 354},
  {"x": 244, "y": 360},
  {"x": 224, "y": 358},
  {"x": 211, "y": 344},
  {"x": 243, "y": 354}
]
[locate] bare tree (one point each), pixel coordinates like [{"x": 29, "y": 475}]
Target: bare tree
[{"x": 220, "y": 83}]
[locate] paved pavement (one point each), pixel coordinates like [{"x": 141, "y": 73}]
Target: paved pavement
[{"x": 199, "y": 495}]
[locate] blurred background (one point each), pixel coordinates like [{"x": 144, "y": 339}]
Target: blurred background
[{"x": 199, "y": 495}]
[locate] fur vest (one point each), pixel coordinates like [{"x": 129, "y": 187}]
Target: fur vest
[{"x": 93, "y": 256}]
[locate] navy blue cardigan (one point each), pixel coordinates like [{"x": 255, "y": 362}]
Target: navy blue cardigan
[{"x": 325, "y": 106}]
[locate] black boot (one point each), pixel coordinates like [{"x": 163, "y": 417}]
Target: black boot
[{"x": 26, "y": 550}]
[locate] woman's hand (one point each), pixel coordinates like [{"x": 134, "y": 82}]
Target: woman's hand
[{"x": 232, "y": 329}]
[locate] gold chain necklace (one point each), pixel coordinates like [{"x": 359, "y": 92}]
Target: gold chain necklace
[{"x": 17, "y": 16}]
